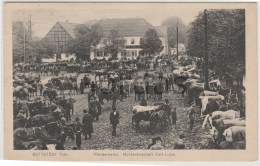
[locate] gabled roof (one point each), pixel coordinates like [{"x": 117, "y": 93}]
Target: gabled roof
[
  {"x": 126, "y": 26},
  {"x": 69, "y": 27}
]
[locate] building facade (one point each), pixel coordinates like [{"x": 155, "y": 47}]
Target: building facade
[
  {"x": 60, "y": 36},
  {"x": 132, "y": 30}
]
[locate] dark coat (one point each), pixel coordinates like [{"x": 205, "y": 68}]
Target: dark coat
[
  {"x": 114, "y": 118},
  {"x": 87, "y": 122}
]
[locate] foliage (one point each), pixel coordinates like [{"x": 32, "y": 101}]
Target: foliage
[
  {"x": 85, "y": 39},
  {"x": 151, "y": 43},
  {"x": 171, "y": 24},
  {"x": 33, "y": 49},
  {"x": 114, "y": 44},
  {"x": 39, "y": 49},
  {"x": 18, "y": 40},
  {"x": 226, "y": 37}
]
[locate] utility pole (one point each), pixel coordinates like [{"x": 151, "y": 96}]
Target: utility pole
[
  {"x": 24, "y": 42},
  {"x": 177, "y": 41},
  {"x": 29, "y": 28},
  {"x": 206, "y": 82}
]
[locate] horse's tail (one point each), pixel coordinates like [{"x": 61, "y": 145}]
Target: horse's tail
[{"x": 205, "y": 121}]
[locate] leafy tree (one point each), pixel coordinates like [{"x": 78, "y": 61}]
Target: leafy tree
[
  {"x": 226, "y": 38},
  {"x": 171, "y": 24},
  {"x": 38, "y": 49},
  {"x": 151, "y": 43},
  {"x": 85, "y": 39},
  {"x": 114, "y": 44},
  {"x": 18, "y": 41},
  {"x": 34, "y": 49}
]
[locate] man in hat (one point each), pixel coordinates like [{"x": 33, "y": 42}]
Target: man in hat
[
  {"x": 93, "y": 87},
  {"x": 114, "y": 120},
  {"x": 87, "y": 122},
  {"x": 180, "y": 143},
  {"x": 158, "y": 144}
]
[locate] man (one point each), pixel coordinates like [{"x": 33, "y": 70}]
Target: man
[
  {"x": 40, "y": 87},
  {"x": 141, "y": 91},
  {"x": 82, "y": 86},
  {"x": 192, "y": 116},
  {"x": 167, "y": 84},
  {"x": 174, "y": 117},
  {"x": 93, "y": 87},
  {"x": 78, "y": 127},
  {"x": 114, "y": 120},
  {"x": 86, "y": 81},
  {"x": 147, "y": 90},
  {"x": 168, "y": 108},
  {"x": 145, "y": 75},
  {"x": 143, "y": 102},
  {"x": 180, "y": 142},
  {"x": 158, "y": 144},
  {"x": 87, "y": 125},
  {"x": 160, "y": 74}
]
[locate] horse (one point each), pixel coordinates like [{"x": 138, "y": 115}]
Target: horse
[
  {"x": 158, "y": 116},
  {"x": 220, "y": 125},
  {"x": 40, "y": 120},
  {"x": 230, "y": 114}
]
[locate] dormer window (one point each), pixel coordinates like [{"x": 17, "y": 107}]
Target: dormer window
[{"x": 132, "y": 41}]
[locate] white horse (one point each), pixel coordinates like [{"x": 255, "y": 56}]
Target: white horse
[{"x": 230, "y": 114}]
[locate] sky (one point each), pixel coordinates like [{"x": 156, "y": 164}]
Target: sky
[{"x": 43, "y": 18}]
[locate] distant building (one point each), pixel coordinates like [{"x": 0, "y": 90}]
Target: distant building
[
  {"x": 132, "y": 30},
  {"x": 60, "y": 35}
]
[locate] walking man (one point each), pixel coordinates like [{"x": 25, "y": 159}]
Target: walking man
[{"x": 114, "y": 120}]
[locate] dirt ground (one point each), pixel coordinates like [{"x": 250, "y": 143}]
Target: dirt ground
[{"x": 130, "y": 138}]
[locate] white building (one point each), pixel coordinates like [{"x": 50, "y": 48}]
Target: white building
[
  {"x": 67, "y": 57},
  {"x": 132, "y": 30}
]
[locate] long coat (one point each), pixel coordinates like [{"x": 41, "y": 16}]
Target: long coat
[{"x": 87, "y": 122}]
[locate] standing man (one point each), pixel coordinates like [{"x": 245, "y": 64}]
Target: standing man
[
  {"x": 78, "y": 127},
  {"x": 167, "y": 84},
  {"x": 191, "y": 116},
  {"x": 147, "y": 90},
  {"x": 168, "y": 108},
  {"x": 82, "y": 86},
  {"x": 40, "y": 87},
  {"x": 114, "y": 120},
  {"x": 93, "y": 87},
  {"x": 174, "y": 117},
  {"x": 87, "y": 122}
]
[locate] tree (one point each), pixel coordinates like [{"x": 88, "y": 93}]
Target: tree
[
  {"x": 18, "y": 41},
  {"x": 226, "y": 38},
  {"x": 114, "y": 44},
  {"x": 151, "y": 43},
  {"x": 85, "y": 39},
  {"x": 38, "y": 49},
  {"x": 171, "y": 24}
]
